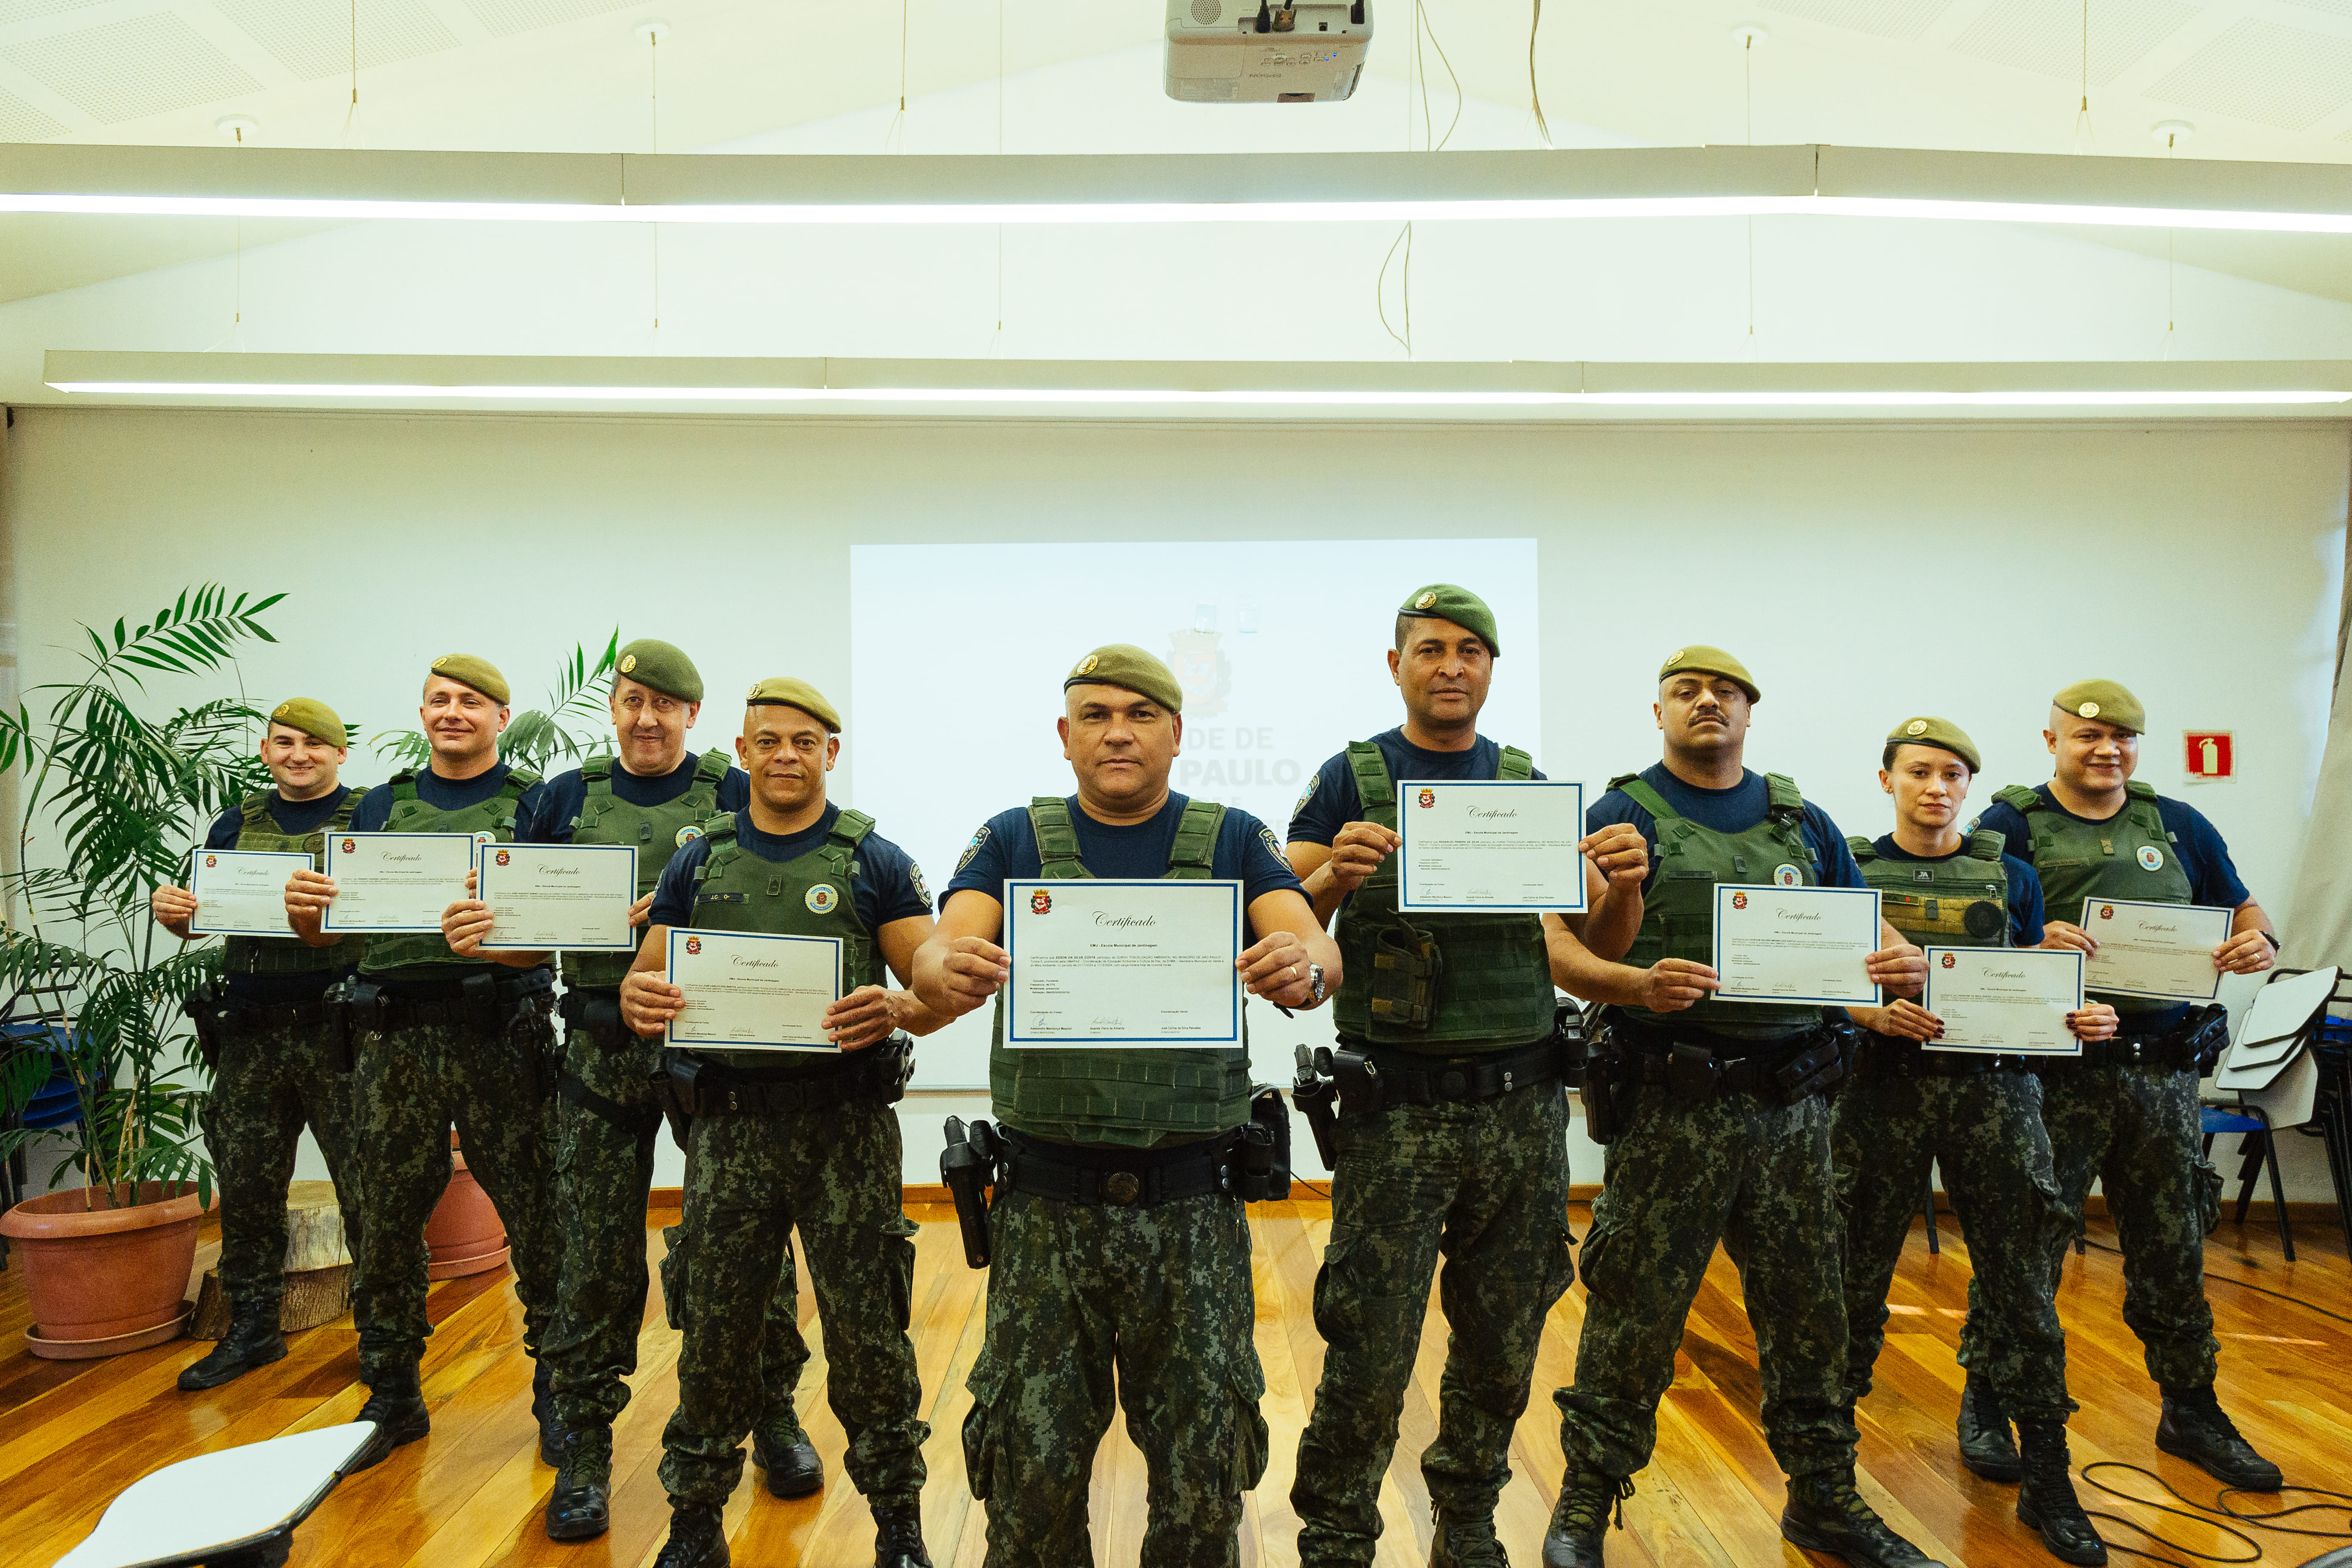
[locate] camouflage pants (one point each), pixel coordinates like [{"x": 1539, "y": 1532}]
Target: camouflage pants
[
  {"x": 750, "y": 1179},
  {"x": 604, "y": 1171},
  {"x": 1485, "y": 1188},
  {"x": 1756, "y": 1175},
  {"x": 1984, "y": 1130},
  {"x": 409, "y": 1086},
  {"x": 1156, "y": 1299},
  {"x": 2135, "y": 1130},
  {"x": 270, "y": 1082}
]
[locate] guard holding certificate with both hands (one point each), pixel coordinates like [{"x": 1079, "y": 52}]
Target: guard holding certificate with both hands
[
  {"x": 1451, "y": 1137},
  {"x": 1716, "y": 1129},
  {"x": 1977, "y": 1115},
  {"x": 778, "y": 1138},
  {"x": 2126, "y": 1113},
  {"x": 260, "y": 1028},
  {"x": 1120, "y": 1252}
]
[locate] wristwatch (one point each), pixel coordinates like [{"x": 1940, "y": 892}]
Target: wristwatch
[{"x": 1315, "y": 982}]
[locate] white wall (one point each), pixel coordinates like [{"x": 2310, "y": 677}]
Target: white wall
[{"x": 1863, "y": 572}]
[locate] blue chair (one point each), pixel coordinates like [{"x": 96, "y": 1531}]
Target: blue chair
[{"x": 2254, "y": 1144}]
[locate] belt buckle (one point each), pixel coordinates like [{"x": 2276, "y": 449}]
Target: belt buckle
[{"x": 1121, "y": 1188}]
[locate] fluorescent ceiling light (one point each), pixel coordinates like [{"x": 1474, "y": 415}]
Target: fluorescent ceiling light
[
  {"x": 1323, "y": 187},
  {"x": 398, "y": 379}
]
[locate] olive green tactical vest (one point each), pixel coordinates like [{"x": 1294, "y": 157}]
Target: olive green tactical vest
[
  {"x": 1678, "y": 912},
  {"x": 1494, "y": 988},
  {"x": 1134, "y": 1098},
  {"x": 288, "y": 955},
  {"x": 1959, "y": 902},
  {"x": 425, "y": 956},
  {"x": 658, "y": 831},
  {"x": 2077, "y": 860},
  {"x": 738, "y": 891}
]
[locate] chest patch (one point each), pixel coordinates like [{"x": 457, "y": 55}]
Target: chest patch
[
  {"x": 688, "y": 835},
  {"x": 1787, "y": 876},
  {"x": 2151, "y": 858},
  {"x": 822, "y": 899}
]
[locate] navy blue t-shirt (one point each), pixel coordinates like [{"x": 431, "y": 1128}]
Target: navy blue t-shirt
[
  {"x": 295, "y": 818},
  {"x": 1006, "y": 847},
  {"x": 887, "y": 887},
  {"x": 1331, "y": 800},
  {"x": 534, "y": 822},
  {"x": 2024, "y": 886},
  {"x": 1733, "y": 810},
  {"x": 567, "y": 793},
  {"x": 2212, "y": 880}
]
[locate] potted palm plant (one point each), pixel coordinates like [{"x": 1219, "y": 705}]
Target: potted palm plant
[{"x": 108, "y": 799}]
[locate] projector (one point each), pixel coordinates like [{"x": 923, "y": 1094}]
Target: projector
[{"x": 1252, "y": 51}]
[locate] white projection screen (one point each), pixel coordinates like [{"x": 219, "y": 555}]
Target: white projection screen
[{"x": 1281, "y": 647}]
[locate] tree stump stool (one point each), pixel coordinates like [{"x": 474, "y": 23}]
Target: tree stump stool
[{"x": 317, "y": 1268}]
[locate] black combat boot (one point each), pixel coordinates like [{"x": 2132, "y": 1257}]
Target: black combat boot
[
  {"x": 779, "y": 1448},
  {"x": 1580, "y": 1518},
  {"x": 696, "y": 1540},
  {"x": 252, "y": 1340},
  {"x": 2046, "y": 1501},
  {"x": 580, "y": 1507},
  {"x": 2194, "y": 1428},
  {"x": 543, "y": 1410},
  {"x": 898, "y": 1536},
  {"x": 1463, "y": 1540},
  {"x": 1985, "y": 1445},
  {"x": 1826, "y": 1514},
  {"x": 395, "y": 1403}
]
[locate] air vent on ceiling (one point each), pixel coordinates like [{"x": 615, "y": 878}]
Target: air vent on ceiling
[
  {"x": 2036, "y": 35},
  {"x": 131, "y": 69},
  {"x": 507, "y": 17},
  {"x": 314, "y": 40},
  {"x": 20, "y": 122},
  {"x": 1206, "y": 12},
  {"x": 2270, "y": 74},
  {"x": 1887, "y": 19}
]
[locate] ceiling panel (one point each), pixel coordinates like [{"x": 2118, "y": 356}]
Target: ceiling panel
[
  {"x": 20, "y": 122},
  {"x": 2037, "y": 35},
  {"x": 1887, "y": 19},
  {"x": 314, "y": 39},
  {"x": 14, "y": 11},
  {"x": 130, "y": 69},
  {"x": 503, "y": 18},
  {"x": 2267, "y": 73}
]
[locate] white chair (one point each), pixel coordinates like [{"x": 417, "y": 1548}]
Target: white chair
[
  {"x": 235, "y": 1507},
  {"x": 2268, "y": 1080}
]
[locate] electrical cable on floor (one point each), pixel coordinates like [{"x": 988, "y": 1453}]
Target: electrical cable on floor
[
  {"x": 2242, "y": 1285},
  {"x": 1322, "y": 1191},
  {"x": 2212, "y": 1515}
]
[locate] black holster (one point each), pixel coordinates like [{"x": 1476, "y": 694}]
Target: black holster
[
  {"x": 352, "y": 1007},
  {"x": 1603, "y": 1081},
  {"x": 967, "y": 1166},
  {"x": 1357, "y": 1078},
  {"x": 1815, "y": 1067},
  {"x": 673, "y": 1109},
  {"x": 211, "y": 1012},
  {"x": 1312, "y": 1091},
  {"x": 2204, "y": 1036},
  {"x": 596, "y": 1015},
  {"x": 1257, "y": 1165}
]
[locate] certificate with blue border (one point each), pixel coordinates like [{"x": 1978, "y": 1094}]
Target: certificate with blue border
[
  {"x": 1117, "y": 962},
  {"x": 1795, "y": 944},
  {"x": 1490, "y": 847},
  {"x": 237, "y": 890},
  {"x": 395, "y": 881},
  {"x": 572, "y": 896},
  {"x": 753, "y": 991},
  {"x": 2004, "y": 1001}
]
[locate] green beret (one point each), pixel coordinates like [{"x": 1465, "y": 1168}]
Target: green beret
[
  {"x": 313, "y": 718},
  {"x": 478, "y": 673},
  {"x": 651, "y": 662},
  {"x": 791, "y": 692},
  {"x": 1126, "y": 665},
  {"x": 1463, "y": 609},
  {"x": 1708, "y": 661},
  {"x": 1927, "y": 729},
  {"x": 2104, "y": 699}
]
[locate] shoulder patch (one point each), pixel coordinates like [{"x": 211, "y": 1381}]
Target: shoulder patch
[
  {"x": 922, "y": 889},
  {"x": 971, "y": 849},
  {"x": 1273, "y": 846},
  {"x": 1305, "y": 794}
]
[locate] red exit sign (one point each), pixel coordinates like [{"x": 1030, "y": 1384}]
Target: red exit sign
[{"x": 2209, "y": 754}]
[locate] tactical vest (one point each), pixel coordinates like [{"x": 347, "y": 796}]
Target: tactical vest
[
  {"x": 288, "y": 955},
  {"x": 1678, "y": 912},
  {"x": 1135, "y": 1097},
  {"x": 656, "y": 831},
  {"x": 1494, "y": 981},
  {"x": 735, "y": 890},
  {"x": 427, "y": 951},
  {"x": 2077, "y": 860},
  {"x": 1959, "y": 902}
]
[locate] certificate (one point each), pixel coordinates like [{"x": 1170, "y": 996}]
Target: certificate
[
  {"x": 1117, "y": 963},
  {"x": 242, "y": 892},
  {"x": 748, "y": 991},
  {"x": 395, "y": 881},
  {"x": 1491, "y": 847},
  {"x": 2164, "y": 951},
  {"x": 571, "y": 895},
  {"x": 1795, "y": 944},
  {"x": 2012, "y": 1001}
]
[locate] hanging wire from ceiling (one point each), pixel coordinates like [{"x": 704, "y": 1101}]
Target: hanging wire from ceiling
[
  {"x": 1416, "y": 69},
  {"x": 352, "y": 115},
  {"x": 2082, "y": 131},
  {"x": 895, "y": 139},
  {"x": 1535, "y": 88},
  {"x": 996, "y": 339},
  {"x": 652, "y": 32},
  {"x": 2171, "y": 146}
]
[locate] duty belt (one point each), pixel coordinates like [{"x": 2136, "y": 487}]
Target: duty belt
[
  {"x": 425, "y": 1004},
  {"x": 1119, "y": 1178},
  {"x": 2187, "y": 1046},
  {"x": 594, "y": 1010},
  {"x": 244, "y": 1015},
  {"x": 1882, "y": 1056},
  {"x": 699, "y": 1088},
  {"x": 1417, "y": 1078}
]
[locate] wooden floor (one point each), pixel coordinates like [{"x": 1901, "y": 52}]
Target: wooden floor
[{"x": 73, "y": 1435}]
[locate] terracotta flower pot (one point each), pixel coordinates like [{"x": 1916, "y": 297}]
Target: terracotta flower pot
[
  {"x": 104, "y": 1273},
  {"x": 465, "y": 1235}
]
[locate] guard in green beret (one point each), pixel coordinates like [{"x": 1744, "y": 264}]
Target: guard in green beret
[
  {"x": 439, "y": 1034},
  {"x": 1451, "y": 1138},
  {"x": 2126, "y": 1113},
  {"x": 258, "y": 1027},
  {"x": 1908, "y": 1106},
  {"x": 791, "y": 1136},
  {"x": 1118, "y": 1249},
  {"x": 649, "y": 791}
]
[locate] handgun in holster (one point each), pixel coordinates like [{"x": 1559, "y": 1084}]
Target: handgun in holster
[
  {"x": 1568, "y": 1038},
  {"x": 1817, "y": 1065},
  {"x": 1407, "y": 964},
  {"x": 1312, "y": 1093},
  {"x": 350, "y": 1008},
  {"x": 211, "y": 1013},
  {"x": 1603, "y": 1066},
  {"x": 2204, "y": 1036},
  {"x": 1257, "y": 1170},
  {"x": 968, "y": 1167}
]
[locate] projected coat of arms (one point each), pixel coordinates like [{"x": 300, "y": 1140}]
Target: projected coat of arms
[{"x": 1202, "y": 670}]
